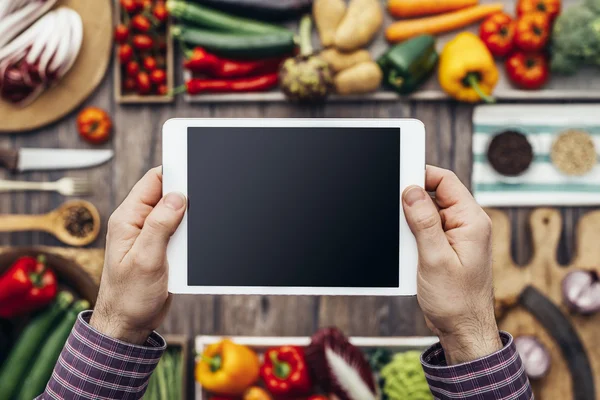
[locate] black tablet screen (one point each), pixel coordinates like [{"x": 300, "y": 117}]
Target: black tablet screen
[{"x": 293, "y": 207}]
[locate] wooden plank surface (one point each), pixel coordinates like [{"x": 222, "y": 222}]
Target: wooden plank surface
[{"x": 137, "y": 145}]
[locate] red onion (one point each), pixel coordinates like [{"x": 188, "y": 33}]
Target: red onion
[
  {"x": 581, "y": 291},
  {"x": 536, "y": 358}
]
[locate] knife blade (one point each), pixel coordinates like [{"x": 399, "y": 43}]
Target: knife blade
[{"x": 52, "y": 159}]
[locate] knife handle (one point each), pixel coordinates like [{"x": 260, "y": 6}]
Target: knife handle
[{"x": 9, "y": 159}]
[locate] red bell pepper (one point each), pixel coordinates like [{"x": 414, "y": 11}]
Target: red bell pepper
[
  {"x": 27, "y": 286},
  {"x": 285, "y": 372},
  {"x": 200, "y": 61},
  {"x": 252, "y": 84}
]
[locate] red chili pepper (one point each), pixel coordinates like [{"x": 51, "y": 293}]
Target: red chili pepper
[
  {"x": 285, "y": 372},
  {"x": 27, "y": 286},
  {"x": 158, "y": 76},
  {"x": 252, "y": 84},
  {"x": 129, "y": 5},
  {"x": 125, "y": 53},
  {"x": 143, "y": 42},
  {"x": 132, "y": 68},
  {"x": 143, "y": 83},
  {"x": 160, "y": 12},
  {"x": 528, "y": 71},
  {"x": 121, "y": 33},
  {"x": 141, "y": 23},
  {"x": 149, "y": 64},
  {"x": 201, "y": 61}
]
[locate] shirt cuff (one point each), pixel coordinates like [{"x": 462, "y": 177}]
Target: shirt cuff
[
  {"x": 500, "y": 375},
  {"x": 93, "y": 365}
]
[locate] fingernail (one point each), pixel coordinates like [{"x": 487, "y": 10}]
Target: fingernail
[
  {"x": 413, "y": 195},
  {"x": 175, "y": 201}
]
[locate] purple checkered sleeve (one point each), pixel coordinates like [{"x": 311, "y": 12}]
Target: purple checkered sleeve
[
  {"x": 498, "y": 376},
  {"x": 95, "y": 366}
]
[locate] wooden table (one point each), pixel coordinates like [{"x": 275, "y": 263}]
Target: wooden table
[{"x": 137, "y": 144}]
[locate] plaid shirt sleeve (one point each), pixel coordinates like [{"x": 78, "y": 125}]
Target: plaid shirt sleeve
[
  {"x": 498, "y": 376},
  {"x": 95, "y": 366}
]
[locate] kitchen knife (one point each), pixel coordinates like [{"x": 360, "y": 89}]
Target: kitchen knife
[{"x": 52, "y": 159}]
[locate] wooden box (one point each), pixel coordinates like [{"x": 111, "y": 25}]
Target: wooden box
[
  {"x": 123, "y": 98},
  {"x": 260, "y": 344},
  {"x": 182, "y": 342}
]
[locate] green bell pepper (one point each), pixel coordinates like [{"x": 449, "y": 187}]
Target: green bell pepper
[{"x": 406, "y": 66}]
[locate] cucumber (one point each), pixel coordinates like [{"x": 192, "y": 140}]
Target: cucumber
[
  {"x": 272, "y": 10},
  {"x": 41, "y": 370},
  {"x": 196, "y": 14},
  {"x": 21, "y": 357},
  {"x": 237, "y": 45}
]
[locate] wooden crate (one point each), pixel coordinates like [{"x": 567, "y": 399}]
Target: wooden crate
[
  {"x": 261, "y": 343},
  {"x": 170, "y": 70},
  {"x": 183, "y": 343}
]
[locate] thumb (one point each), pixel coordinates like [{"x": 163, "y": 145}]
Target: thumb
[
  {"x": 162, "y": 222},
  {"x": 425, "y": 223}
]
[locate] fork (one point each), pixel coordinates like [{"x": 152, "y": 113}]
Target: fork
[{"x": 64, "y": 186}]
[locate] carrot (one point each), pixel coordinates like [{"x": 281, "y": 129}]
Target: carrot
[
  {"x": 402, "y": 30},
  {"x": 417, "y": 8}
]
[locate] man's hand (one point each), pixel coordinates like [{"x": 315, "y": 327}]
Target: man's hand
[
  {"x": 455, "y": 288},
  {"x": 133, "y": 298}
]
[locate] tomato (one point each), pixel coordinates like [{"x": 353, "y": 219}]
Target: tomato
[
  {"x": 143, "y": 83},
  {"x": 141, "y": 23},
  {"x": 94, "y": 125},
  {"x": 149, "y": 64},
  {"x": 132, "y": 68},
  {"x": 163, "y": 90},
  {"x": 528, "y": 71},
  {"x": 144, "y": 3},
  {"x": 532, "y": 32},
  {"x": 143, "y": 42},
  {"x": 129, "y": 84},
  {"x": 121, "y": 33},
  {"x": 549, "y": 7},
  {"x": 158, "y": 76},
  {"x": 256, "y": 393},
  {"x": 125, "y": 53},
  {"x": 129, "y": 5},
  {"x": 497, "y": 32},
  {"x": 160, "y": 12},
  {"x": 318, "y": 397}
]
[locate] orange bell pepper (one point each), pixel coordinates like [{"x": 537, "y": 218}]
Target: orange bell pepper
[{"x": 227, "y": 368}]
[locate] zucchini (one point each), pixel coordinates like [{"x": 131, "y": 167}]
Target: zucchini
[
  {"x": 272, "y": 10},
  {"x": 21, "y": 357},
  {"x": 40, "y": 371},
  {"x": 237, "y": 45},
  {"x": 196, "y": 14}
]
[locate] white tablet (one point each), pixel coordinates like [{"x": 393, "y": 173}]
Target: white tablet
[{"x": 293, "y": 206}]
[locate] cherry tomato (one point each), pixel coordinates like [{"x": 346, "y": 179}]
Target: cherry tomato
[
  {"x": 132, "y": 68},
  {"x": 129, "y": 5},
  {"x": 149, "y": 64},
  {"x": 318, "y": 397},
  {"x": 121, "y": 33},
  {"x": 129, "y": 84},
  {"x": 144, "y": 3},
  {"x": 158, "y": 76},
  {"x": 144, "y": 86},
  {"x": 125, "y": 53},
  {"x": 160, "y": 12},
  {"x": 141, "y": 23},
  {"x": 528, "y": 71},
  {"x": 163, "y": 90},
  {"x": 143, "y": 42},
  {"x": 532, "y": 32},
  {"x": 94, "y": 125}
]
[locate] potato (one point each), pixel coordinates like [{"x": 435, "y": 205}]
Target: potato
[
  {"x": 340, "y": 61},
  {"x": 359, "y": 79},
  {"x": 362, "y": 22},
  {"x": 328, "y": 14}
]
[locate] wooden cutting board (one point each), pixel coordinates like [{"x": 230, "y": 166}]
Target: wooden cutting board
[
  {"x": 545, "y": 274},
  {"x": 80, "y": 81}
]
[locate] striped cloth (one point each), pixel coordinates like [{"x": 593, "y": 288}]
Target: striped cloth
[
  {"x": 498, "y": 376},
  {"x": 94, "y": 366}
]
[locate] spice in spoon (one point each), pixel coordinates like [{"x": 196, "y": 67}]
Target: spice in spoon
[{"x": 79, "y": 221}]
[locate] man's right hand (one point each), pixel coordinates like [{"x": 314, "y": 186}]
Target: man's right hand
[{"x": 455, "y": 289}]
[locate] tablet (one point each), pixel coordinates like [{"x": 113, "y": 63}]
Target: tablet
[{"x": 293, "y": 206}]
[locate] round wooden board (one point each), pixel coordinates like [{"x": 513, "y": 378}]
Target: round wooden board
[{"x": 80, "y": 81}]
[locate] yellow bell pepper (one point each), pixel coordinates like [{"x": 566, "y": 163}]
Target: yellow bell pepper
[
  {"x": 467, "y": 70},
  {"x": 227, "y": 368}
]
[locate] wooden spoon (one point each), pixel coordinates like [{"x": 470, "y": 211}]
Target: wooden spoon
[{"x": 54, "y": 223}]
